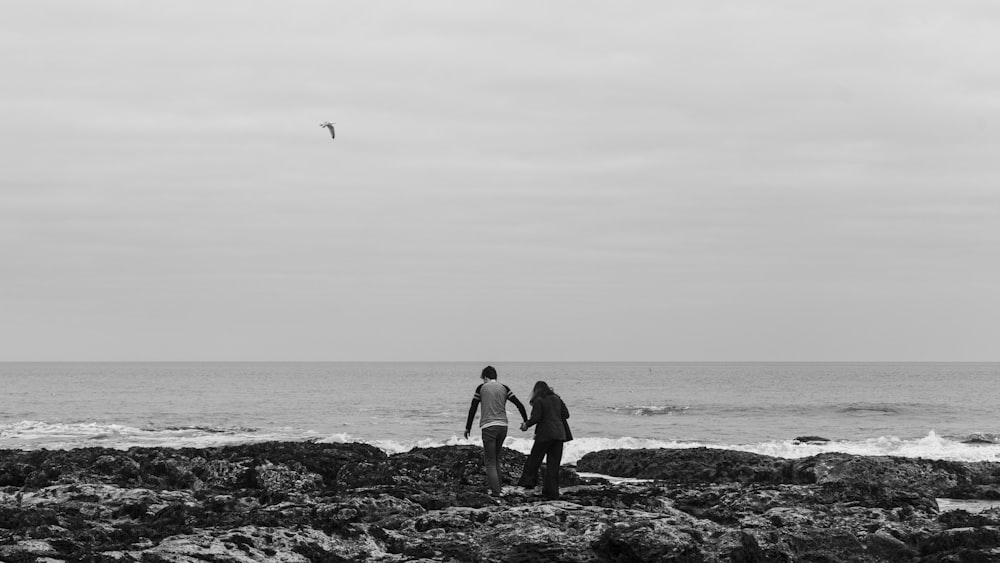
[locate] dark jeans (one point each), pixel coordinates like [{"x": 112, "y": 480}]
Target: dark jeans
[
  {"x": 552, "y": 451},
  {"x": 493, "y": 437}
]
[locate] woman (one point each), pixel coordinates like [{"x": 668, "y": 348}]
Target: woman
[{"x": 548, "y": 416}]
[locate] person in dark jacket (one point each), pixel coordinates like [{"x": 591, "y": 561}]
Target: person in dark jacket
[{"x": 548, "y": 416}]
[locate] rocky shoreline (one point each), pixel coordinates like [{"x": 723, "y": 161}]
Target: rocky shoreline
[{"x": 302, "y": 501}]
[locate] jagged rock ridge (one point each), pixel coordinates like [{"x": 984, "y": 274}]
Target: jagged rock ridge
[{"x": 352, "y": 502}]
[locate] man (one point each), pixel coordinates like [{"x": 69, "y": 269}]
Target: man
[{"x": 492, "y": 396}]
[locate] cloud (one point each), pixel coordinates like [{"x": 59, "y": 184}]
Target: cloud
[{"x": 633, "y": 173}]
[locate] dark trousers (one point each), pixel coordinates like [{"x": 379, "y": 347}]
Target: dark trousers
[
  {"x": 552, "y": 451},
  {"x": 493, "y": 437}
]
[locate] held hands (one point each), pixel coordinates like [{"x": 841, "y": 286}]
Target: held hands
[{"x": 524, "y": 426}]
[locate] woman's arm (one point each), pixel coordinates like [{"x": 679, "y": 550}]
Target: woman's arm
[{"x": 536, "y": 414}]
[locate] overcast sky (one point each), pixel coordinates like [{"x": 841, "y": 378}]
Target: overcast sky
[{"x": 775, "y": 180}]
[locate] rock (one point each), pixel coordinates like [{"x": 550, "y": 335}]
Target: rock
[
  {"x": 888, "y": 547},
  {"x": 284, "y": 480},
  {"x": 651, "y": 541},
  {"x": 961, "y": 544},
  {"x": 689, "y": 465},
  {"x": 351, "y": 502},
  {"x": 27, "y": 548},
  {"x": 886, "y": 474},
  {"x": 810, "y": 440}
]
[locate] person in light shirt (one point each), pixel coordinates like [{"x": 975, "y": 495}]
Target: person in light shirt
[{"x": 491, "y": 397}]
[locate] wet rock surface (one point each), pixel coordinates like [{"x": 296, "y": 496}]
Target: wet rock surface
[{"x": 352, "y": 502}]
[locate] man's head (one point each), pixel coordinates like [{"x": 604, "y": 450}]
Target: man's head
[{"x": 489, "y": 372}]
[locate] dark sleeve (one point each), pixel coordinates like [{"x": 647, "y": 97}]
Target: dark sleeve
[
  {"x": 472, "y": 414},
  {"x": 517, "y": 403},
  {"x": 536, "y": 413},
  {"x": 472, "y": 409},
  {"x": 565, "y": 411}
]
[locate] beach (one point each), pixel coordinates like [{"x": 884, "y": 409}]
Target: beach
[
  {"x": 281, "y": 501},
  {"x": 366, "y": 462}
]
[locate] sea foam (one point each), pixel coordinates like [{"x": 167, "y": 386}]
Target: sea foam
[
  {"x": 30, "y": 435},
  {"x": 930, "y": 446}
]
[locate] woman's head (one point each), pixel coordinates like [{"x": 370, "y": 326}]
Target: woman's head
[{"x": 540, "y": 390}]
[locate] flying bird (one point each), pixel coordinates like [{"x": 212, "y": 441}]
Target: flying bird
[{"x": 329, "y": 126}]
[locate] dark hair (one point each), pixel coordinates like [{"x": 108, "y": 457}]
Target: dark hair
[
  {"x": 540, "y": 390},
  {"x": 489, "y": 372}
]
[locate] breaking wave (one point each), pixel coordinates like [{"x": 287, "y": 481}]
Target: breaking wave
[
  {"x": 870, "y": 408},
  {"x": 28, "y": 435},
  {"x": 648, "y": 410},
  {"x": 32, "y": 434}
]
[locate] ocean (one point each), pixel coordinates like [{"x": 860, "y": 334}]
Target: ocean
[{"x": 931, "y": 410}]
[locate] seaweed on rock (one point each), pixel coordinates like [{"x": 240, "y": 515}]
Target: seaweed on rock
[{"x": 303, "y": 501}]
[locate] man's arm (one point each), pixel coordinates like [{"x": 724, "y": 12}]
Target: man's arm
[
  {"x": 520, "y": 407},
  {"x": 472, "y": 411},
  {"x": 472, "y": 415}
]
